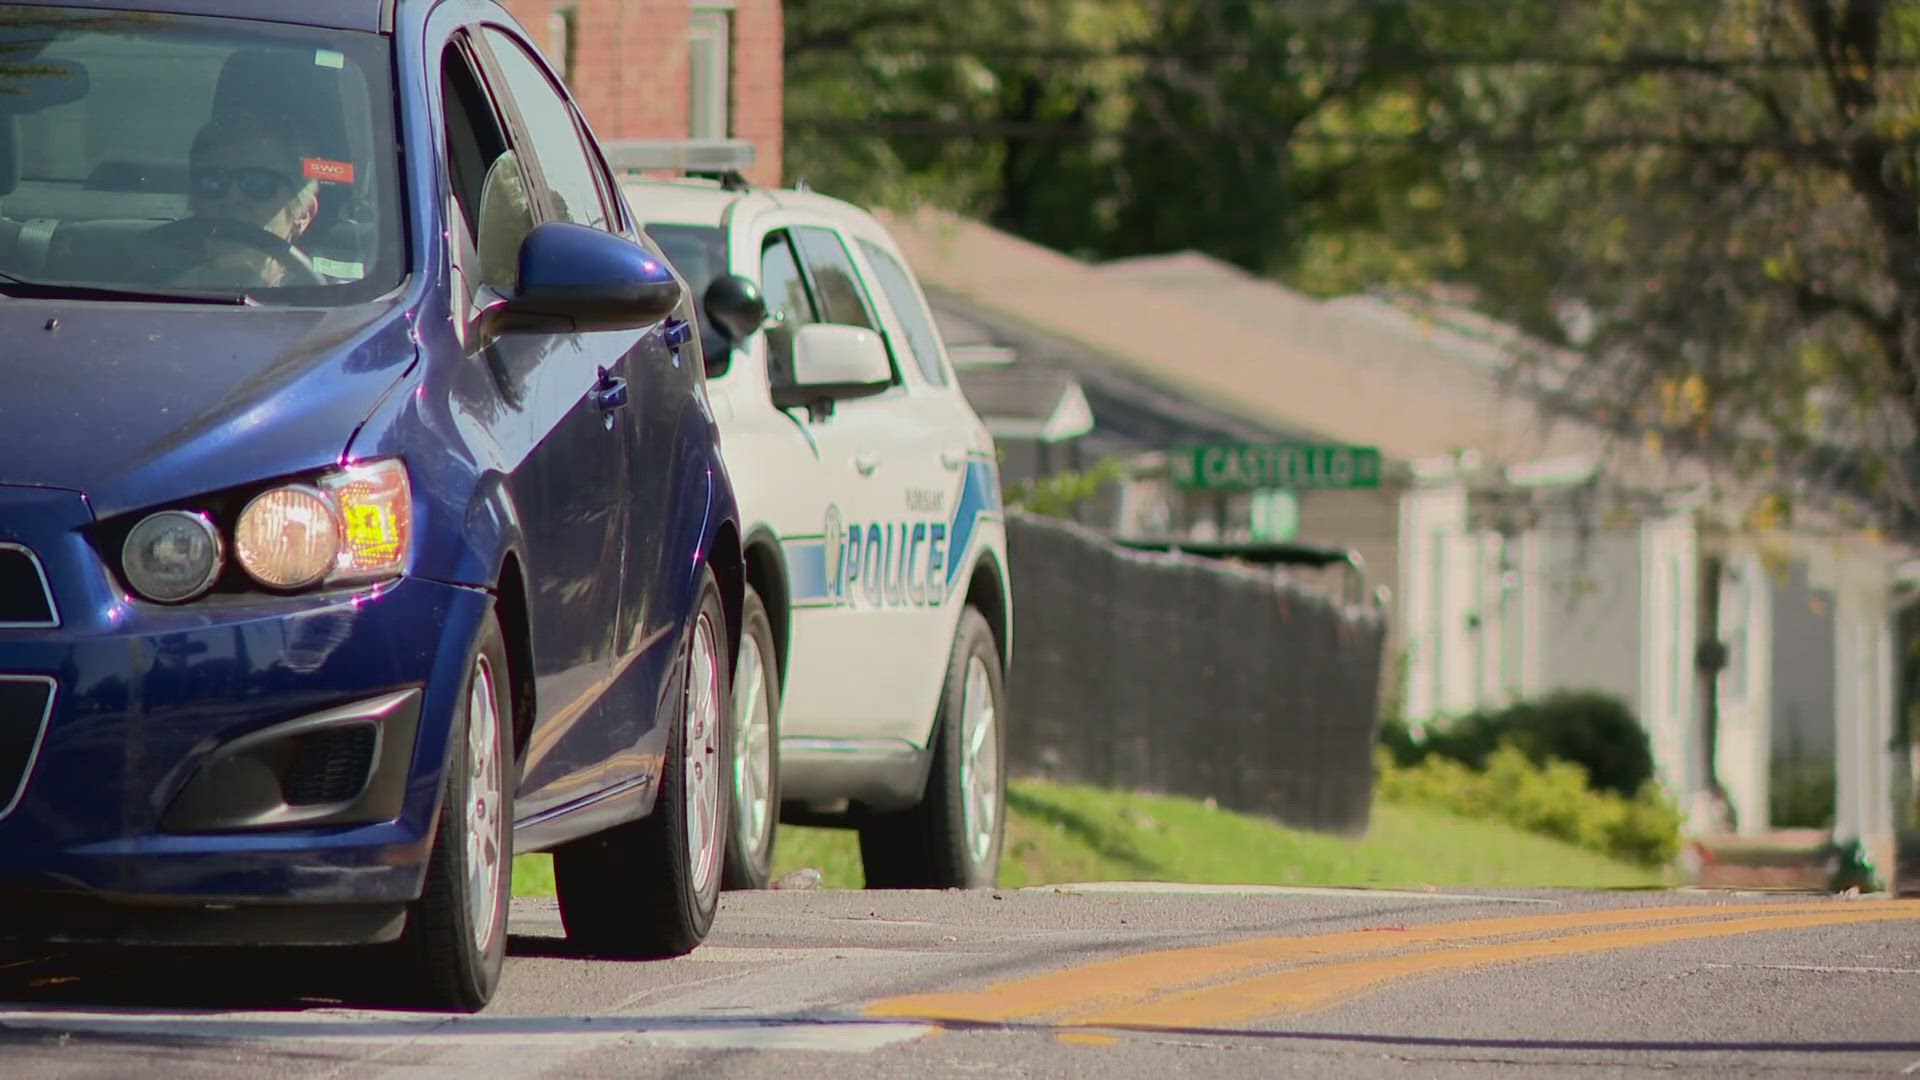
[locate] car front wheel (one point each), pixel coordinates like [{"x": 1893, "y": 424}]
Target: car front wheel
[
  {"x": 649, "y": 888},
  {"x": 455, "y": 941}
]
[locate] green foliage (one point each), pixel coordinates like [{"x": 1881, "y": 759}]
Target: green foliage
[
  {"x": 1590, "y": 729},
  {"x": 1059, "y": 494},
  {"x": 1106, "y": 128},
  {"x": 1059, "y": 833},
  {"x": 1712, "y": 203},
  {"x": 1800, "y": 792},
  {"x": 1853, "y": 869},
  {"x": 1552, "y": 799},
  {"x": 854, "y": 67}
]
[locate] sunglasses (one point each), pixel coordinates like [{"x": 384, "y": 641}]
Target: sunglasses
[{"x": 254, "y": 182}]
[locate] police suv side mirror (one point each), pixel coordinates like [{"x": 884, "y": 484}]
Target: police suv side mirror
[
  {"x": 832, "y": 362},
  {"x": 734, "y": 305}
]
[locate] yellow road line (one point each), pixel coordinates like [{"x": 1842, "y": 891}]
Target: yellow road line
[
  {"x": 1121, "y": 981},
  {"x": 1319, "y": 985},
  {"x": 1086, "y": 1038}
]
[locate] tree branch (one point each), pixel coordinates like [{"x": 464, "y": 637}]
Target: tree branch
[
  {"x": 846, "y": 35},
  {"x": 1816, "y": 301}
]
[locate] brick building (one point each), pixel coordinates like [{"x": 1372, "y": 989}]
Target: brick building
[{"x": 669, "y": 69}]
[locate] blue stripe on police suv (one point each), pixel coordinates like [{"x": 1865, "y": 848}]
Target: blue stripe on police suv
[
  {"x": 980, "y": 494},
  {"x": 910, "y": 561}
]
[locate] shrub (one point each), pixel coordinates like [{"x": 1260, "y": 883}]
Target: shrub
[
  {"x": 1590, "y": 729},
  {"x": 1800, "y": 791},
  {"x": 1554, "y": 799},
  {"x": 1398, "y": 740},
  {"x": 1595, "y": 730},
  {"x": 1059, "y": 495}
]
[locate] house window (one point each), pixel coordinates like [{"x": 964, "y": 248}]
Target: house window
[
  {"x": 560, "y": 26},
  {"x": 709, "y": 69}
]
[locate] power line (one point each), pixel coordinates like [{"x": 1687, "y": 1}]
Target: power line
[
  {"x": 909, "y": 127},
  {"x": 1420, "y": 60}
]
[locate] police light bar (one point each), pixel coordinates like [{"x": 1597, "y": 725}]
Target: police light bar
[{"x": 679, "y": 155}]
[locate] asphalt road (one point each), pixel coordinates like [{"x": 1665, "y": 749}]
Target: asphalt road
[{"x": 1071, "y": 981}]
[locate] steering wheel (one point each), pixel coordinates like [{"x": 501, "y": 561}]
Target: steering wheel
[{"x": 196, "y": 231}]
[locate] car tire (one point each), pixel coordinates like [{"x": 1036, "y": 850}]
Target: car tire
[
  {"x": 648, "y": 888},
  {"x": 951, "y": 838},
  {"x": 454, "y": 945},
  {"x": 754, "y": 788}
]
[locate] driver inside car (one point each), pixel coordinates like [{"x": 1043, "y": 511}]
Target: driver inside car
[{"x": 248, "y": 200}]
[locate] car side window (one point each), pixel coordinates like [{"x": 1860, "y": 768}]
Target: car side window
[
  {"x": 923, "y": 338},
  {"x": 789, "y": 304},
  {"x": 485, "y": 175},
  {"x": 835, "y": 282},
  {"x": 552, "y": 134}
]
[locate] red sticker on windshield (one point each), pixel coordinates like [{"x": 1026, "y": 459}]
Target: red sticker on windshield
[{"x": 328, "y": 172}]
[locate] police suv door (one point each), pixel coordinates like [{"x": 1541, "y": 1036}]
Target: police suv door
[
  {"x": 943, "y": 474},
  {"x": 838, "y": 683}
]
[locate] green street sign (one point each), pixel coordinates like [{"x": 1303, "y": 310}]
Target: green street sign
[
  {"x": 1292, "y": 466},
  {"x": 1274, "y": 515}
]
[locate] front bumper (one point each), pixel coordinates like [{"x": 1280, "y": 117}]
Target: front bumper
[{"x": 229, "y": 753}]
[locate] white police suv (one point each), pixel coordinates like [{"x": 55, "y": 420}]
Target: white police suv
[{"x": 869, "y": 689}]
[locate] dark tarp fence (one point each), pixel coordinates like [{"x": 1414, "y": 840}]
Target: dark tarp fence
[{"x": 1190, "y": 676}]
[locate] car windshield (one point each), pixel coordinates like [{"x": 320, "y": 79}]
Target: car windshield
[
  {"x": 699, "y": 253},
  {"x": 158, "y": 155}
]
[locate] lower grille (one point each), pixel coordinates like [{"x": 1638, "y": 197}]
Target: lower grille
[
  {"x": 24, "y": 599},
  {"x": 331, "y": 765},
  {"x": 25, "y": 703}
]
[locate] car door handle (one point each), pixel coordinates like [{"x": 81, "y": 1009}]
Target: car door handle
[
  {"x": 610, "y": 393},
  {"x": 866, "y": 461},
  {"x": 953, "y": 459}
]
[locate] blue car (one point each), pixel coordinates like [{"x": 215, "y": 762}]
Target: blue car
[{"x": 362, "y": 515}]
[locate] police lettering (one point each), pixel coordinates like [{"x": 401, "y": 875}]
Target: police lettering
[{"x": 896, "y": 564}]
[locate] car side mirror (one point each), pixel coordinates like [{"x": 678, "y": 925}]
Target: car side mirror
[
  {"x": 832, "y": 362},
  {"x": 577, "y": 279},
  {"x": 734, "y": 305}
]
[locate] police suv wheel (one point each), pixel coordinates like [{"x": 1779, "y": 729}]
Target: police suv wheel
[
  {"x": 754, "y": 787},
  {"x": 952, "y": 838},
  {"x": 649, "y": 888}
]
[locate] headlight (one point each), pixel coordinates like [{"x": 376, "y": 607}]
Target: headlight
[
  {"x": 172, "y": 556},
  {"x": 287, "y": 538},
  {"x": 375, "y": 503},
  {"x": 354, "y": 525}
]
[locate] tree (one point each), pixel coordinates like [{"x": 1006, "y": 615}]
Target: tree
[
  {"x": 1717, "y": 203},
  {"x": 1714, "y": 202},
  {"x": 1214, "y": 165},
  {"x": 865, "y": 78},
  {"x": 1107, "y": 128}
]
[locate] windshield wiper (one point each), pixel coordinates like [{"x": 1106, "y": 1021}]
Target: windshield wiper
[{"x": 19, "y": 287}]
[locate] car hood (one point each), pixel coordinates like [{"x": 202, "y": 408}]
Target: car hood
[{"x": 135, "y": 405}]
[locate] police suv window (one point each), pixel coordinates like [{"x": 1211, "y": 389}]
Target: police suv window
[
  {"x": 922, "y": 337},
  {"x": 835, "y": 282},
  {"x": 789, "y": 305},
  {"x": 549, "y": 123}
]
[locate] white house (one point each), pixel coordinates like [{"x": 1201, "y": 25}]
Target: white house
[{"x": 1524, "y": 551}]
